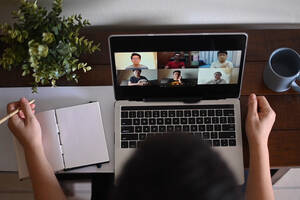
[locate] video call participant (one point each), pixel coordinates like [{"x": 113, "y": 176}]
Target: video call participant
[
  {"x": 218, "y": 79},
  {"x": 222, "y": 61},
  {"x": 136, "y": 59},
  {"x": 137, "y": 79},
  {"x": 176, "y": 64},
  {"x": 177, "y": 78}
]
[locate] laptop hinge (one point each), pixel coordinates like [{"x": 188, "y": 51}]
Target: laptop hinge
[{"x": 185, "y": 100}]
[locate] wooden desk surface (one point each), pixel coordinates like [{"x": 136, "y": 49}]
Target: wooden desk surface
[{"x": 284, "y": 141}]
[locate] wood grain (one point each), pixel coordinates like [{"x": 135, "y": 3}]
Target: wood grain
[{"x": 285, "y": 137}]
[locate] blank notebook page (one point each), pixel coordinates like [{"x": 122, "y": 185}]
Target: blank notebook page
[{"x": 82, "y": 135}]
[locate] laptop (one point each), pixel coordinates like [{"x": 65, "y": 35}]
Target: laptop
[{"x": 187, "y": 83}]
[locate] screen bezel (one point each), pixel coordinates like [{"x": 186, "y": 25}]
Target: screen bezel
[{"x": 177, "y": 42}]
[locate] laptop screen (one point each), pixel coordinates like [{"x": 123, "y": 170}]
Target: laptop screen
[{"x": 160, "y": 67}]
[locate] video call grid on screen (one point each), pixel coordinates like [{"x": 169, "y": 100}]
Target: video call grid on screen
[{"x": 177, "y": 68}]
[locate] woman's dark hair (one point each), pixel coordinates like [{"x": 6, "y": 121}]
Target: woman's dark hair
[
  {"x": 135, "y": 54},
  {"x": 177, "y": 71},
  {"x": 178, "y": 168}
]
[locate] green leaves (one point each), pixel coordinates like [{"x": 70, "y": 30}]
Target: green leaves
[{"x": 45, "y": 45}]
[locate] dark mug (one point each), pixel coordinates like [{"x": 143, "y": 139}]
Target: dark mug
[{"x": 282, "y": 71}]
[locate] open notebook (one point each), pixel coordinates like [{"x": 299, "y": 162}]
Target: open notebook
[{"x": 72, "y": 137}]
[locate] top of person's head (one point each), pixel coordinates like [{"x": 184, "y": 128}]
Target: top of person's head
[
  {"x": 137, "y": 70},
  {"x": 223, "y": 52},
  {"x": 175, "y": 167},
  {"x": 136, "y": 54},
  {"x": 178, "y": 71},
  {"x": 218, "y": 73}
]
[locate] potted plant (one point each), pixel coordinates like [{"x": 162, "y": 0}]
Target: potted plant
[{"x": 45, "y": 45}]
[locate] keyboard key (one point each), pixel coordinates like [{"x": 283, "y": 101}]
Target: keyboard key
[
  {"x": 219, "y": 113},
  {"x": 203, "y": 113},
  {"x": 126, "y": 121},
  {"x": 216, "y": 143},
  {"x": 136, "y": 121},
  {"x": 179, "y": 113},
  {"x": 223, "y": 120},
  {"x": 162, "y": 128},
  {"x": 183, "y": 120},
  {"x": 146, "y": 128},
  {"x": 178, "y": 128},
  {"x": 215, "y": 120},
  {"x": 148, "y": 114},
  {"x": 127, "y": 129},
  {"x": 139, "y": 144},
  {"x": 154, "y": 129},
  {"x": 138, "y": 129},
  {"x": 140, "y": 114},
  {"x": 232, "y": 143},
  {"x": 201, "y": 127},
  {"x": 217, "y": 127},
  {"x": 206, "y": 135},
  {"x": 150, "y": 135},
  {"x": 129, "y": 136},
  {"x": 124, "y": 114},
  {"x": 193, "y": 128},
  {"x": 192, "y": 121},
  {"x": 164, "y": 113},
  {"x": 132, "y": 114},
  {"x": 171, "y": 113},
  {"x": 226, "y": 134},
  {"x": 186, "y": 128},
  {"x": 224, "y": 143},
  {"x": 144, "y": 121},
  {"x": 124, "y": 144},
  {"x": 155, "y": 113},
  {"x": 132, "y": 144},
  {"x": 228, "y": 127},
  {"x": 170, "y": 128},
  {"x": 199, "y": 120},
  {"x": 231, "y": 120},
  {"x": 175, "y": 120},
  {"x": 209, "y": 127},
  {"x": 211, "y": 113},
  {"x": 195, "y": 113},
  {"x": 152, "y": 121},
  {"x": 207, "y": 120},
  {"x": 160, "y": 121},
  {"x": 187, "y": 113},
  {"x": 198, "y": 134},
  {"x": 214, "y": 135},
  {"x": 168, "y": 121},
  {"x": 209, "y": 142},
  {"x": 228, "y": 112},
  {"x": 142, "y": 136}
]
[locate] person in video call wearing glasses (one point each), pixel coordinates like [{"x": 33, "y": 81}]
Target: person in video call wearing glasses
[
  {"x": 136, "y": 59},
  {"x": 176, "y": 64},
  {"x": 177, "y": 78},
  {"x": 222, "y": 61},
  {"x": 166, "y": 167},
  {"x": 218, "y": 79},
  {"x": 137, "y": 79}
]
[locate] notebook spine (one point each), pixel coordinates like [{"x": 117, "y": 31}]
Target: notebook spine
[{"x": 60, "y": 143}]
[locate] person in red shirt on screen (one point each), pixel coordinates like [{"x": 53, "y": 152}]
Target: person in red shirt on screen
[{"x": 176, "y": 64}]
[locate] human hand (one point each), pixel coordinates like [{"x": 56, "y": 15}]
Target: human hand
[
  {"x": 260, "y": 119},
  {"x": 24, "y": 125}
]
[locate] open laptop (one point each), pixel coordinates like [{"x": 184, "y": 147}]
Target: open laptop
[{"x": 187, "y": 83}]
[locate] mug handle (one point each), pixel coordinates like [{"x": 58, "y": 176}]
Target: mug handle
[{"x": 295, "y": 86}]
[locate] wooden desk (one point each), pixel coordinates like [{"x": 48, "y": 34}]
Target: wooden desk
[{"x": 284, "y": 142}]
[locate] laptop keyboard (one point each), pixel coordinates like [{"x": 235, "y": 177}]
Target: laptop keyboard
[{"x": 215, "y": 124}]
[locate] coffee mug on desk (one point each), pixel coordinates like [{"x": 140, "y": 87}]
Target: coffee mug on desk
[{"x": 282, "y": 71}]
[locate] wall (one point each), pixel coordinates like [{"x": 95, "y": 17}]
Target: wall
[{"x": 169, "y": 12}]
